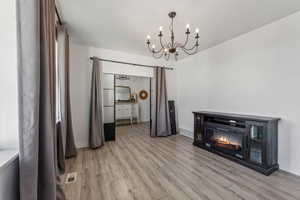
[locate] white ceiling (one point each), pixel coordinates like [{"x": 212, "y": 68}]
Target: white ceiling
[{"x": 123, "y": 24}]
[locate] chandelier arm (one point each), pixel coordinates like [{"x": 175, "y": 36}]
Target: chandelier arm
[
  {"x": 189, "y": 49},
  {"x": 169, "y": 45},
  {"x": 153, "y": 51},
  {"x": 157, "y": 57},
  {"x": 186, "y": 41},
  {"x": 167, "y": 57},
  {"x": 185, "y": 51},
  {"x": 149, "y": 48},
  {"x": 161, "y": 44},
  {"x": 157, "y": 52},
  {"x": 190, "y": 53},
  {"x": 161, "y": 49}
]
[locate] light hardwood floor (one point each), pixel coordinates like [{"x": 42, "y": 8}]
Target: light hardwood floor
[{"x": 139, "y": 167}]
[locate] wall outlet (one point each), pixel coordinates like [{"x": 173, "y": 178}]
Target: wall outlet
[{"x": 71, "y": 178}]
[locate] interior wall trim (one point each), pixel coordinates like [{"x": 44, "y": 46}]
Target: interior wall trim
[{"x": 186, "y": 133}]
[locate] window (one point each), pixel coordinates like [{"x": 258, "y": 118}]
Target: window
[
  {"x": 8, "y": 77},
  {"x": 57, "y": 86},
  {"x": 58, "y": 114},
  {"x": 9, "y": 117}
]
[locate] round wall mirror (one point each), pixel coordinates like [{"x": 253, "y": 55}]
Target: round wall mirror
[{"x": 143, "y": 94}]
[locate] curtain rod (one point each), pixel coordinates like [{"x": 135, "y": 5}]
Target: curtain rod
[{"x": 127, "y": 63}]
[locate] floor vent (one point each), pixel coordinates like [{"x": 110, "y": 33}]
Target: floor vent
[{"x": 71, "y": 178}]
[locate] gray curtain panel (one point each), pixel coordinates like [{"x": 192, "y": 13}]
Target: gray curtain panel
[
  {"x": 60, "y": 151},
  {"x": 160, "y": 122},
  {"x": 36, "y": 70},
  {"x": 69, "y": 148},
  {"x": 96, "y": 113}
]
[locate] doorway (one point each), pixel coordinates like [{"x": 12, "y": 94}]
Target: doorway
[{"x": 132, "y": 103}]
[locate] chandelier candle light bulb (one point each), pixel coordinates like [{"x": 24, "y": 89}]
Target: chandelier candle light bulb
[
  {"x": 173, "y": 47},
  {"x": 187, "y": 27}
]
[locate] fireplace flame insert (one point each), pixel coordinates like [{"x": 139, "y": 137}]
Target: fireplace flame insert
[{"x": 228, "y": 139}]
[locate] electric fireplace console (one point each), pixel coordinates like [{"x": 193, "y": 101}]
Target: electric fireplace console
[{"x": 249, "y": 140}]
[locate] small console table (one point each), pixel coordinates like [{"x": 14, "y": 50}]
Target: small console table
[
  {"x": 249, "y": 140},
  {"x": 127, "y": 110}
]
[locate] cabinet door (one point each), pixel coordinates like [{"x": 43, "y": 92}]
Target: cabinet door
[
  {"x": 108, "y": 98},
  {"x": 198, "y": 129},
  {"x": 108, "y": 81},
  {"x": 257, "y": 138}
]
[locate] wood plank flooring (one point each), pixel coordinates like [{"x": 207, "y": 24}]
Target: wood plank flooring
[{"x": 138, "y": 167}]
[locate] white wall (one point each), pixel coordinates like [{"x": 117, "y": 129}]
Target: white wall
[
  {"x": 256, "y": 73},
  {"x": 81, "y": 69},
  {"x": 136, "y": 85},
  {"x": 9, "y": 180}
]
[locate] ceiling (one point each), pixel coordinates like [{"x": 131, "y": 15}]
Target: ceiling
[{"x": 124, "y": 24}]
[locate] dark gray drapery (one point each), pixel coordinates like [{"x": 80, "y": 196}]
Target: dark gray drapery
[
  {"x": 36, "y": 70},
  {"x": 160, "y": 122},
  {"x": 66, "y": 128},
  {"x": 71, "y": 150},
  {"x": 96, "y": 113},
  {"x": 60, "y": 149}
]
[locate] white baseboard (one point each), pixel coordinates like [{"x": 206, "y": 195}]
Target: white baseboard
[
  {"x": 82, "y": 144},
  {"x": 186, "y": 133}
]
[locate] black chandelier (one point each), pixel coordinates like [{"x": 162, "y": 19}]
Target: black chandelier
[{"x": 172, "y": 47}]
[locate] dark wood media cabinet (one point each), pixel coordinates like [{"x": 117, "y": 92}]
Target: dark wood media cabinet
[{"x": 249, "y": 140}]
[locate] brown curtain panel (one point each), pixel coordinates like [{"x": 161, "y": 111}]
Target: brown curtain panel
[
  {"x": 67, "y": 136},
  {"x": 160, "y": 118},
  {"x": 71, "y": 150},
  {"x": 36, "y": 69},
  {"x": 60, "y": 150},
  {"x": 96, "y": 113}
]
